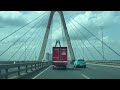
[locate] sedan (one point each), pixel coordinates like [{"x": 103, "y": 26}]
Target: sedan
[{"x": 80, "y": 63}]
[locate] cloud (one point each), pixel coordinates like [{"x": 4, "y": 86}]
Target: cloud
[
  {"x": 109, "y": 20},
  {"x": 17, "y": 18},
  {"x": 14, "y": 18},
  {"x": 91, "y": 21},
  {"x": 10, "y": 20}
]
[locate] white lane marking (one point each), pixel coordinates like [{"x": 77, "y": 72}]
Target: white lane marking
[
  {"x": 42, "y": 72},
  {"x": 85, "y": 76},
  {"x": 105, "y": 65}
]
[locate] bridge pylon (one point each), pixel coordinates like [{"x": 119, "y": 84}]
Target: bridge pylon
[{"x": 43, "y": 48}]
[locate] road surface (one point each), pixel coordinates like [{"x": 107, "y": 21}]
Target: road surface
[{"x": 92, "y": 71}]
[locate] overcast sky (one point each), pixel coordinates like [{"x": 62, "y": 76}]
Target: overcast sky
[{"x": 92, "y": 20}]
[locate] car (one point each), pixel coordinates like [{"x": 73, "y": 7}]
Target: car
[{"x": 80, "y": 63}]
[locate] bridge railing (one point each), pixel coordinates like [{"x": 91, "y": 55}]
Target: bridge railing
[{"x": 9, "y": 71}]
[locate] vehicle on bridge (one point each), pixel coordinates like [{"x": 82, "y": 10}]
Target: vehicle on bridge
[
  {"x": 80, "y": 63},
  {"x": 59, "y": 57}
]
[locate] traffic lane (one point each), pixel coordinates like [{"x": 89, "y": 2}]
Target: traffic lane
[
  {"x": 107, "y": 68},
  {"x": 91, "y": 72},
  {"x": 69, "y": 73},
  {"x": 101, "y": 72}
]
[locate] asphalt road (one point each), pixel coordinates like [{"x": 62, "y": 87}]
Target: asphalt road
[{"x": 92, "y": 71}]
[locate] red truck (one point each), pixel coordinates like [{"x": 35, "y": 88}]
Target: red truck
[{"x": 59, "y": 57}]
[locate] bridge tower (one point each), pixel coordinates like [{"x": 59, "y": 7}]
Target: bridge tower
[{"x": 42, "y": 52}]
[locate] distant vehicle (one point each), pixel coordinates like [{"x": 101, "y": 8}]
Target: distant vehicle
[{"x": 80, "y": 63}]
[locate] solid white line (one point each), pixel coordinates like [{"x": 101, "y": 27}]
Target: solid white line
[
  {"x": 105, "y": 65},
  {"x": 85, "y": 76},
  {"x": 42, "y": 72}
]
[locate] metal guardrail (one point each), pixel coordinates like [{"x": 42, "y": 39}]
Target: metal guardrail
[{"x": 8, "y": 71}]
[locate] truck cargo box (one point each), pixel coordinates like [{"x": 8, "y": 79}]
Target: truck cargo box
[{"x": 59, "y": 56}]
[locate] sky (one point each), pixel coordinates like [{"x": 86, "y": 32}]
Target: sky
[{"x": 11, "y": 21}]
